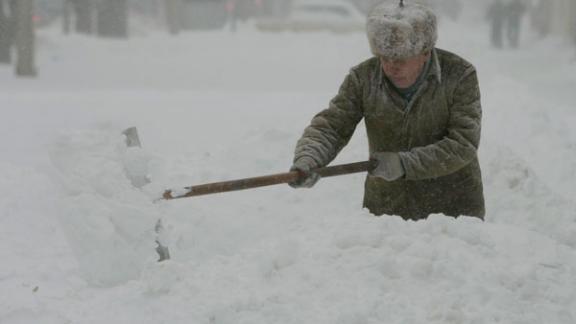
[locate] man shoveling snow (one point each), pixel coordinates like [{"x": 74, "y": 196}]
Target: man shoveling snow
[{"x": 421, "y": 106}]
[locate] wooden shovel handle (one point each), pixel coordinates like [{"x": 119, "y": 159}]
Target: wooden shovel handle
[{"x": 268, "y": 180}]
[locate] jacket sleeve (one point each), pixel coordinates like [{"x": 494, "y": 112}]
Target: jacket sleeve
[
  {"x": 459, "y": 147},
  {"x": 332, "y": 128}
]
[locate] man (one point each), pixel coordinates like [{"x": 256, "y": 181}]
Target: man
[{"x": 421, "y": 107}]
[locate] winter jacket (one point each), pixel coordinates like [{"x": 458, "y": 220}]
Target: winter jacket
[{"x": 436, "y": 134}]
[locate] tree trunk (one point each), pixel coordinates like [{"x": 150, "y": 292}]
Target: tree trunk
[
  {"x": 113, "y": 18},
  {"x": 6, "y": 32},
  {"x": 172, "y": 9},
  {"x": 66, "y": 16},
  {"x": 25, "y": 38},
  {"x": 84, "y": 16}
]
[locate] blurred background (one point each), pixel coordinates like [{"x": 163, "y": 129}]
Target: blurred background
[{"x": 506, "y": 22}]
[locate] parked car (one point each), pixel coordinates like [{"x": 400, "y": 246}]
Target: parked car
[{"x": 338, "y": 16}]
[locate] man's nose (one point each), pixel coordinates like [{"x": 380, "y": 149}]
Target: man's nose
[
  {"x": 395, "y": 65},
  {"x": 394, "y": 68}
]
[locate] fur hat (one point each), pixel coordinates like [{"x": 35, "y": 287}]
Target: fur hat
[{"x": 401, "y": 31}]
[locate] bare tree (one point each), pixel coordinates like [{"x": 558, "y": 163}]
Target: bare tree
[
  {"x": 25, "y": 38},
  {"x": 113, "y": 18},
  {"x": 6, "y": 32}
]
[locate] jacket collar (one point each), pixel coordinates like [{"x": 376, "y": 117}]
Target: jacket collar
[{"x": 435, "y": 70}]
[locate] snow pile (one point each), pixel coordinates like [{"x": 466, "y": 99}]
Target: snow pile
[
  {"x": 373, "y": 270},
  {"x": 108, "y": 222},
  {"x": 261, "y": 258},
  {"x": 516, "y": 196}
]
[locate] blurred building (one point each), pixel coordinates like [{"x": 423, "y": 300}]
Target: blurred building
[
  {"x": 276, "y": 8},
  {"x": 47, "y": 11},
  {"x": 203, "y": 14},
  {"x": 213, "y": 14}
]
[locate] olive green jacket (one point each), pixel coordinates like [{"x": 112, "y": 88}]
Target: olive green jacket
[{"x": 436, "y": 135}]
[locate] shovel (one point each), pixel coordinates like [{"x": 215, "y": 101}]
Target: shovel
[{"x": 262, "y": 181}]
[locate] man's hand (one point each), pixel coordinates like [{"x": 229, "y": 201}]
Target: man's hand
[
  {"x": 307, "y": 178},
  {"x": 389, "y": 166}
]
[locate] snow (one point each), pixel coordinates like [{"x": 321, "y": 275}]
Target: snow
[{"x": 77, "y": 238}]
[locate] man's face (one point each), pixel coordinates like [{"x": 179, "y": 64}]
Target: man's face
[{"x": 404, "y": 73}]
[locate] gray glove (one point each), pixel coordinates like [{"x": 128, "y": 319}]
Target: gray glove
[
  {"x": 307, "y": 178},
  {"x": 389, "y": 166}
]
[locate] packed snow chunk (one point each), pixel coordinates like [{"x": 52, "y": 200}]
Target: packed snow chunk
[
  {"x": 98, "y": 161},
  {"x": 136, "y": 165},
  {"x": 112, "y": 241},
  {"x": 162, "y": 277},
  {"x": 108, "y": 222}
]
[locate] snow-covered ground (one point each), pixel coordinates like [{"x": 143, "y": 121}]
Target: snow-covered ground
[{"x": 77, "y": 239}]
